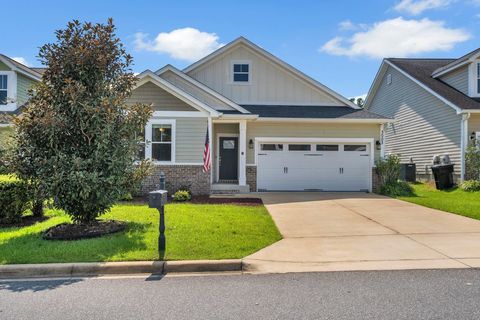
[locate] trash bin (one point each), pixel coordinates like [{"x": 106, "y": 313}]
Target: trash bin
[
  {"x": 443, "y": 174},
  {"x": 408, "y": 172}
]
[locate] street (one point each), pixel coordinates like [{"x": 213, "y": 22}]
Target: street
[{"x": 423, "y": 294}]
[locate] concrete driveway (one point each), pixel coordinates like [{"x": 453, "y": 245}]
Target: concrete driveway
[{"x": 359, "y": 231}]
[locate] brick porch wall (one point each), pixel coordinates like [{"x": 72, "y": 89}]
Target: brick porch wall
[
  {"x": 252, "y": 178},
  {"x": 179, "y": 176}
]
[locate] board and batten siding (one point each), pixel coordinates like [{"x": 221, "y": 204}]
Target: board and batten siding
[
  {"x": 23, "y": 85},
  {"x": 160, "y": 99},
  {"x": 309, "y": 130},
  {"x": 194, "y": 91},
  {"x": 457, "y": 79},
  {"x": 269, "y": 82},
  {"x": 424, "y": 126}
]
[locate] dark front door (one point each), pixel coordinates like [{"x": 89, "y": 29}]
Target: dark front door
[{"x": 228, "y": 162}]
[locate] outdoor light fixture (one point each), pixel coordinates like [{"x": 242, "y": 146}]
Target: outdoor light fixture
[
  {"x": 378, "y": 145},
  {"x": 250, "y": 144}
]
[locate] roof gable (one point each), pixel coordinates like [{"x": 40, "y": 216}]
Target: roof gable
[
  {"x": 457, "y": 63},
  {"x": 296, "y": 76},
  {"x": 18, "y": 67}
]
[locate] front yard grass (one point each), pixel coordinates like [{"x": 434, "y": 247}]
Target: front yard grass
[
  {"x": 454, "y": 200},
  {"x": 193, "y": 231}
]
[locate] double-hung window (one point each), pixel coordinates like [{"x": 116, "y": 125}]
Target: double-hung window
[
  {"x": 241, "y": 72},
  {"x": 3, "y": 89},
  {"x": 160, "y": 140}
]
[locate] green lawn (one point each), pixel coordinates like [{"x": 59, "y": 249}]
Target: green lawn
[
  {"x": 193, "y": 232},
  {"x": 454, "y": 200}
]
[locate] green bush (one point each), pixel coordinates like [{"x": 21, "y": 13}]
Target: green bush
[
  {"x": 397, "y": 189},
  {"x": 472, "y": 162},
  {"x": 470, "y": 185},
  {"x": 181, "y": 196},
  {"x": 14, "y": 201},
  {"x": 388, "y": 169}
]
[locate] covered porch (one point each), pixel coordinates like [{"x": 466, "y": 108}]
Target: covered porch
[{"x": 229, "y": 149}]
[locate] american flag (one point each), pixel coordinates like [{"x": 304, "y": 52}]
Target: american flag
[{"x": 207, "y": 161}]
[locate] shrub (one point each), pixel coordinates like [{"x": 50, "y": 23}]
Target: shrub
[
  {"x": 397, "y": 189},
  {"x": 14, "y": 200},
  {"x": 470, "y": 185},
  {"x": 181, "y": 196},
  {"x": 388, "y": 169},
  {"x": 472, "y": 162}
]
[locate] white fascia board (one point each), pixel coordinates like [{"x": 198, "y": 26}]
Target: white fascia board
[
  {"x": 148, "y": 75},
  {"x": 323, "y": 120},
  {"x": 201, "y": 86},
  {"x": 375, "y": 84},
  {"x": 14, "y": 68},
  {"x": 271, "y": 57},
  {"x": 448, "y": 70},
  {"x": 238, "y": 116},
  {"x": 447, "y": 102}
]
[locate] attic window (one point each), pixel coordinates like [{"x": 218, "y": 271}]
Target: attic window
[
  {"x": 389, "y": 79},
  {"x": 241, "y": 72}
]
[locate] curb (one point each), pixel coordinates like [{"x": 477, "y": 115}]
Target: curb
[{"x": 15, "y": 271}]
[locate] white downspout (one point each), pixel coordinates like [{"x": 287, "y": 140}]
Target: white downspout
[{"x": 463, "y": 144}]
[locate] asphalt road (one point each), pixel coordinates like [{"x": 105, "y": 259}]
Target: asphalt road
[{"x": 435, "y": 294}]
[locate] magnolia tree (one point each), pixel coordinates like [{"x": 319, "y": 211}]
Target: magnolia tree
[{"x": 77, "y": 137}]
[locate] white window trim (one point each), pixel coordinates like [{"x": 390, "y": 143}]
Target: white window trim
[
  {"x": 241, "y": 83},
  {"x": 473, "y": 90},
  {"x": 148, "y": 139},
  {"x": 11, "y": 91}
]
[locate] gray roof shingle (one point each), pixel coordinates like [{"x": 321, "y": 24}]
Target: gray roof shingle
[
  {"x": 314, "y": 112},
  {"x": 422, "y": 69}
]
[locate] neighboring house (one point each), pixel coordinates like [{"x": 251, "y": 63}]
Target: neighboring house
[
  {"x": 270, "y": 127},
  {"x": 436, "y": 107}
]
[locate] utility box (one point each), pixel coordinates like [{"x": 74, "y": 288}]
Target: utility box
[
  {"x": 408, "y": 172},
  {"x": 157, "y": 199}
]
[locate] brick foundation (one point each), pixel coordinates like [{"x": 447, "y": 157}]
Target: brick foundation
[
  {"x": 252, "y": 178},
  {"x": 178, "y": 176}
]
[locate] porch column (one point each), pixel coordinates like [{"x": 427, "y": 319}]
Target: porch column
[
  {"x": 210, "y": 140},
  {"x": 242, "y": 172},
  {"x": 463, "y": 143}
]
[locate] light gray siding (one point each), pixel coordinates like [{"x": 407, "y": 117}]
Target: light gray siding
[
  {"x": 269, "y": 82},
  {"x": 23, "y": 85},
  {"x": 189, "y": 139},
  {"x": 160, "y": 99},
  {"x": 195, "y": 91},
  {"x": 309, "y": 130},
  {"x": 457, "y": 79},
  {"x": 424, "y": 126}
]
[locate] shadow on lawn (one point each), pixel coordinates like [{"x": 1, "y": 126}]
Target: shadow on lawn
[{"x": 32, "y": 248}]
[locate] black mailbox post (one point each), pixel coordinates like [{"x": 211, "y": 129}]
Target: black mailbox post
[{"x": 157, "y": 199}]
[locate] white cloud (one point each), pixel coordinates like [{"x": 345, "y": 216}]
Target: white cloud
[
  {"x": 188, "y": 44},
  {"x": 417, "y": 7},
  {"x": 21, "y": 60},
  {"x": 349, "y": 25},
  {"x": 397, "y": 38}
]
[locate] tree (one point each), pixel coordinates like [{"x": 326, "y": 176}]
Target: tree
[{"x": 77, "y": 138}]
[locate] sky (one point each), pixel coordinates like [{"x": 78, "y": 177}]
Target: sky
[{"x": 339, "y": 43}]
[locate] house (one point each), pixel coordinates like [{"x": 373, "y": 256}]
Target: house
[
  {"x": 15, "y": 81},
  {"x": 270, "y": 127},
  {"x": 436, "y": 107}
]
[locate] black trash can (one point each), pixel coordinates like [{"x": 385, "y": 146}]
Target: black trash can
[
  {"x": 443, "y": 174},
  {"x": 408, "y": 172}
]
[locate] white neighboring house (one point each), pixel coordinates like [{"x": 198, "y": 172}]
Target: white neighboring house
[
  {"x": 15, "y": 81},
  {"x": 436, "y": 107},
  {"x": 270, "y": 127}
]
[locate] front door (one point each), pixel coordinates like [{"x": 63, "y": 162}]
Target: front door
[{"x": 228, "y": 158}]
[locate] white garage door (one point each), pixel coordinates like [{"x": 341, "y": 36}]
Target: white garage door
[{"x": 314, "y": 166}]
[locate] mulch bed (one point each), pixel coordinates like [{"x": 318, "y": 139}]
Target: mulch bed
[
  {"x": 237, "y": 201},
  {"x": 68, "y": 231},
  {"x": 25, "y": 222}
]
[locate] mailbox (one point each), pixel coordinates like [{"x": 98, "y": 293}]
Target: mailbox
[{"x": 157, "y": 199}]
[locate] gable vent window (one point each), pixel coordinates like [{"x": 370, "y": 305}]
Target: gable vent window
[
  {"x": 389, "y": 79},
  {"x": 3, "y": 89},
  {"x": 241, "y": 72}
]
